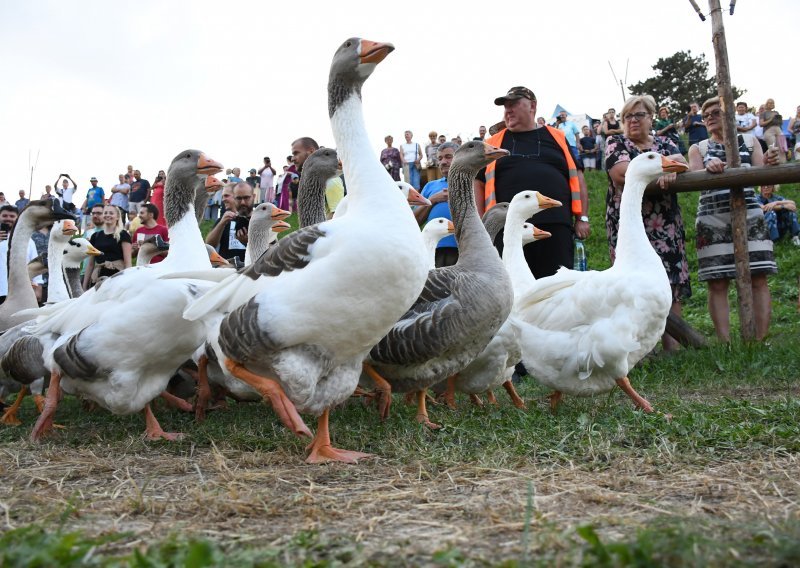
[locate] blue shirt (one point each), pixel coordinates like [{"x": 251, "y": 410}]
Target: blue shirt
[
  {"x": 441, "y": 209},
  {"x": 570, "y": 130},
  {"x": 94, "y": 196}
]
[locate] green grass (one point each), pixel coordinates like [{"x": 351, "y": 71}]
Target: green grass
[{"x": 735, "y": 419}]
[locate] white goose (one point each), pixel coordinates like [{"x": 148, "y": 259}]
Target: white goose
[
  {"x": 323, "y": 296},
  {"x": 582, "y": 332},
  {"x": 434, "y": 231},
  {"x": 87, "y": 358}
]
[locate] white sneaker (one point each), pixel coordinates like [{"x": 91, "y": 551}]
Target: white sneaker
[{"x": 796, "y": 241}]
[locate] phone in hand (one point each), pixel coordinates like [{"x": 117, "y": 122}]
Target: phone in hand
[
  {"x": 241, "y": 222},
  {"x": 6, "y": 227}
]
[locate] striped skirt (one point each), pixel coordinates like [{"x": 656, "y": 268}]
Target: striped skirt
[{"x": 715, "y": 236}]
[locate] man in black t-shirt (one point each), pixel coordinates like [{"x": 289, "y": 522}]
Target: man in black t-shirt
[
  {"x": 536, "y": 162},
  {"x": 229, "y": 235},
  {"x": 140, "y": 192}
]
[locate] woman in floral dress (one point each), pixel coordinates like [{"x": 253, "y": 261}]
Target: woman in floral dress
[
  {"x": 715, "y": 260},
  {"x": 661, "y": 214},
  {"x": 390, "y": 158}
]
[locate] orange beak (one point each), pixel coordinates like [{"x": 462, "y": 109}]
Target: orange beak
[
  {"x": 217, "y": 260},
  {"x": 673, "y": 166},
  {"x": 539, "y": 234},
  {"x": 279, "y": 214},
  {"x": 206, "y": 165},
  {"x": 212, "y": 184},
  {"x": 450, "y": 227},
  {"x": 280, "y": 227},
  {"x": 415, "y": 198},
  {"x": 68, "y": 227},
  {"x": 493, "y": 153},
  {"x": 91, "y": 251},
  {"x": 374, "y": 52},
  {"x": 547, "y": 202}
]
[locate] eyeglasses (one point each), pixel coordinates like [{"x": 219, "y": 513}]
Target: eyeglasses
[
  {"x": 514, "y": 147},
  {"x": 243, "y": 198},
  {"x": 638, "y": 116},
  {"x": 716, "y": 113}
]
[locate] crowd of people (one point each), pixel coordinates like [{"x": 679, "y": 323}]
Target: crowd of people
[{"x": 555, "y": 154}]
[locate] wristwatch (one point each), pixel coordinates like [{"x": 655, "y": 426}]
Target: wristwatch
[{"x": 583, "y": 218}]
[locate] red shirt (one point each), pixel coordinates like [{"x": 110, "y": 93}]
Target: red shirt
[
  {"x": 157, "y": 199},
  {"x": 157, "y": 230}
]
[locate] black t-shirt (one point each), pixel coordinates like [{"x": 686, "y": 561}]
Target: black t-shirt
[
  {"x": 588, "y": 143},
  {"x": 253, "y": 181},
  {"x": 224, "y": 248},
  {"x": 108, "y": 245},
  {"x": 536, "y": 162},
  {"x": 138, "y": 191}
]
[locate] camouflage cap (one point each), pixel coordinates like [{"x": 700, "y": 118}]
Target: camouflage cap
[{"x": 515, "y": 93}]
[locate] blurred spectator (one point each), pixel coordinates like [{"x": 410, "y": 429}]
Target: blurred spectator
[
  {"x": 436, "y": 191},
  {"x": 694, "y": 125},
  {"x": 255, "y": 181},
  {"x": 234, "y": 176},
  {"x": 430, "y": 157},
  {"x": 267, "y": 183},
  {"x": 780, "y": 214},
  {"x": 411, "y": 159},
  {"x": 794, "y": 129},
  {"x": 140, "y": 192},
  {"x": 157, "y": 198},
  {"x": 390, "y": 158},
  {"x": 745, "y": 121},
  {"x": 119, "y": 194},
  {"x": 148, "y": 217},
  {"x": 48, "y": 193},
  {"x": 611, "y": 125},
  {"x": 229, "y": 235},
  {"x": 588, "y": 149},
  {"x": 67, "y": 194},
  {"x": 22, "y": 202},
  {"x": 114, "y": 243},
  {"x": 94, "y": 195},
  {"x": 772, "y": 123}
]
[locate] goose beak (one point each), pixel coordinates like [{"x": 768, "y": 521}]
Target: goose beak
[
  {"x": 493, "y": 153},
  {"x": 68, "y": 228},
  {"x": 91, "y": 251},
  {"x": 280, "y": 227},
  {"x": 206, "y": 165},
  {"x": 415, "y": 198},
  {"x": 216, "y": 259},
  {"x": 279, "y": 214},
  {"x": 450, "y": 227},
  {"x": 672, "y": 166},
  {"x": 539, "y": 234},
  {"x": 212, "y": 184},
  {"x": 374, "y": 52},
  {"x": 547, "y": 202}
]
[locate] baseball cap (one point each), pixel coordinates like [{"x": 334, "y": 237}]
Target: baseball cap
[
  {"x": 515, "y": 93},
  {"x": 253, "y": 170}
]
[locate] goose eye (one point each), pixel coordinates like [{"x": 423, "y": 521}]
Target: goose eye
[{"x": 348, "y": 44}]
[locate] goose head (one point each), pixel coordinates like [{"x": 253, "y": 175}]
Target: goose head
[
  {"x": 649, "y": 166},
  {"x": 476, "y": 155},
  {"x": 527, "y": 203},
  {"x": 530, "y": 233},
  {"x": 185, "y": 179},
  {"x": 43, "y": 213},
  {"x": 495, "y": 219},
  {"x": 63, "y": 230},
  {"x": 352, "y": 64},
  {"x": 266, "y": 218},
  {"x": 76, "y": 251},
  {"x": 216, "y": 260},
  {"x": 413, "y": 196},
  {"x": 212, "y": 184},
  {"x": 322, "y": 164},
  {"x": 437, "y": 229}
]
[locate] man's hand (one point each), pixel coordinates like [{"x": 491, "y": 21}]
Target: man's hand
[
  {"x": 666, "y": 179},
  {"x": 3, "y": 235},
  {"x": 241, "y": 235},
  {"x": 227, "y": 216},
  {"x": 440, "y": 197},
  {"x": 582, "y": 229}
]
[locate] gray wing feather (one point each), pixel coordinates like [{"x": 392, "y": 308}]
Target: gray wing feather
[{"x": 291, "y": 253}]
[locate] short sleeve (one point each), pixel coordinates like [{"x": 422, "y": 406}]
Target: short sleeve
[
  {"x": 616, "y": 152},
  {"x": 124, "y": 237}
]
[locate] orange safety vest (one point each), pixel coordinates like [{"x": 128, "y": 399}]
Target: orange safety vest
[{"x": 574, "y": 185}]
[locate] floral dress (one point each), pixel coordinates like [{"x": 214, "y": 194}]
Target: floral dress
[
  {"x": 714, "y": 233},
  {"x": 390, "y": 158},
  {"x": 661, "y": 214}
]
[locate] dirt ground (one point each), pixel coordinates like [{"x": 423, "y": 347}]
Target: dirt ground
[{"x": 241, "y": 497}]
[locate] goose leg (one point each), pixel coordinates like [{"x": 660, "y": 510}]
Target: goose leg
[
  {"x": 321, "y": 450},
  {"x": 153, "y": 430},
  {"x": 422, "y": 411},
  {"x": 10, "y": 415},
  {"x": 176, "y": 402},
  {"x": 449, "y": 396},
  {"x": 490, "y": 397},
  {"x": 555, "y": 400},
  {"x": 384, "y": 390},
  {"x": 44, "y": 424},
  {"x": 203, "y": 389},
  {"x": 512, "y": 393},
  {"x": 38, "y": 400},
  {"x": 476, "y": 400},
  {"x": 637, "y": 399},
  {"x": 271, "y": 389}
]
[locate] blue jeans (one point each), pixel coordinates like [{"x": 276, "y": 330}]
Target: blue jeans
[
  {"x": 413, "y": 176},
  {"x": 781, "y": 222}
]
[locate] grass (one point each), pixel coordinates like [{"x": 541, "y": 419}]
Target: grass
[{"x": 597, "y": 484}]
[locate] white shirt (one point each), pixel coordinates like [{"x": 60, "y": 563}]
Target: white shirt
[
  {"x": 66, "y": 194},
  {"x": 746, "y": 119},
  {"x": 409, "y": 152},
  {"x": 4, "y": 268},
  {"x": 266, "y": 178}
]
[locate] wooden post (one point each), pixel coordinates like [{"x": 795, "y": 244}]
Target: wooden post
[{"x": 738, "y": 207}]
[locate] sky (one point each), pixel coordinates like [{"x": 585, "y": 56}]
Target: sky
[{"x": 92, "y": 86}]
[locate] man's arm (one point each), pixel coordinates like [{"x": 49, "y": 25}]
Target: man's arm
[
  {"x": 582, "y": 227},
  {"x": 215, "y": 234},
  {"x": 479, "y": 187}
]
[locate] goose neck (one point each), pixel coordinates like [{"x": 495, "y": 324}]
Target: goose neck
[
  {"x": 19, "y": 285},
  {"x": 632, "y": 242},
  {"x": 57, "y": 289},
  {"x": 311, "y": 201},
  {"x": 513, "y": 254},
  {"x": 470, "y": 235}
]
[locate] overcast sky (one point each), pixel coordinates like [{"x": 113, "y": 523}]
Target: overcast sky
[{"x": 91, "y": 86}]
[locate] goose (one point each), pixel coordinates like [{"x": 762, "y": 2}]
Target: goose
[
  {"x": 36, "y": 215},
  {"x": 149, "y": 248},
  {"x": 434, "y": 231},
  {"x": 495, "y": 365},
  {"x": 28, "y": 372},
  {"x": 316, "y": 303},
  {"x": 86, "y": 358},
  {"x": 582, "y": 332},
  {"x": 413, "y": 197},
  {"x": 461, "y": 307}
]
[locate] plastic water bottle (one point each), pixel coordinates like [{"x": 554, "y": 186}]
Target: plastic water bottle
[{"x": 580, "y": 256}]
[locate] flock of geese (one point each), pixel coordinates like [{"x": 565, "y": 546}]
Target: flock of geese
[{"x": 341, "y": 306}]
